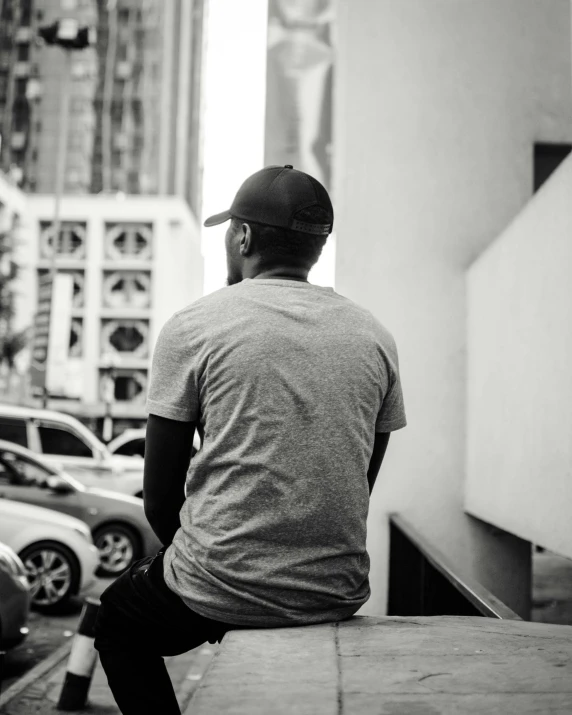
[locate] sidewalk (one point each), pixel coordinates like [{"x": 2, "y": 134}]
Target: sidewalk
[{"x": 40, "y": 697}]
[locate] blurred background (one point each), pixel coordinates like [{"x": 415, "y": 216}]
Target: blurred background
[{"x": 443, "y": 130}]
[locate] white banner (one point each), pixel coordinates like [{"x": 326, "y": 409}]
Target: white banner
[{"x": 59, "y": 336}]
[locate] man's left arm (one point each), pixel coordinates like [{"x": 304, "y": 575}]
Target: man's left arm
[
  {"x": 173, "y": 407},
  {"x": 168, "y": 447}
]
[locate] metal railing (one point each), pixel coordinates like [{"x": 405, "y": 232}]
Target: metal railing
[{"x": 424, "y": 582}]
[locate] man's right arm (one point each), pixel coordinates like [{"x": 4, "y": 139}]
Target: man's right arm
[{"x": 379, "y": 447}]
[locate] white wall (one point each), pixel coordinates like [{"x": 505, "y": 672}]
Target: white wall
[
  {"x": 519, "y": 456},
  {"x": 438, "y": 105}
]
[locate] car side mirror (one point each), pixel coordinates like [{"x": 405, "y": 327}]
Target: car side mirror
[{"x": 59, "y": 485}]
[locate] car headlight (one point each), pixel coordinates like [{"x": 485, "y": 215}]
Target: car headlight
[
  {"x": 85, "y": 532},
  {"x": 11, "y": 563}
]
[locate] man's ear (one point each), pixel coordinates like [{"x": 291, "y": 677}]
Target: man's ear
[{"x": 246, "y": 246}]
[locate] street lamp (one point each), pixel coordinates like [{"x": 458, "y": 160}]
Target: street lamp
[{"x": 67, "y": 34}]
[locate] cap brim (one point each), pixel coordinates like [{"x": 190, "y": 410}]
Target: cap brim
[{"x": 217, "y": 218}]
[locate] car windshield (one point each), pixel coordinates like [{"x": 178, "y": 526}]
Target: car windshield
[{"x": 23, "y": 471}]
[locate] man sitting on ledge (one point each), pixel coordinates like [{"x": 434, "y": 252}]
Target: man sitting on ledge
[{"x": 294, "y": 390}]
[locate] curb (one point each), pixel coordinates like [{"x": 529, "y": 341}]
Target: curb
[{"x": 35, "y": 673}]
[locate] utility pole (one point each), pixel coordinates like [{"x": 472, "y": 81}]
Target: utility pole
[{"x": 68, "y": 35}]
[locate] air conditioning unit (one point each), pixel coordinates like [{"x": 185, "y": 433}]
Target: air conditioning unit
[
  {"x": 120, "y": 141},
  {"x": 18, "y": 140},
  {"x": 22, "y": 69},
  {"x": 33, "y": 89},
  {"x": 23, "y": 35},
  {"x": 123, "y": 70}
]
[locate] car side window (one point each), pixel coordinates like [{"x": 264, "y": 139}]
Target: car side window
[
  {"x": 4, "y": 475},
  {"x": 19, "y": 471},
  {"x": 135, "y": 447},
  {"x": 56, "y": 440},
  {"x": 14, "y": 430}
]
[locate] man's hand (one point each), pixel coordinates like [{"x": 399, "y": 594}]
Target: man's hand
[{"x": 168, "y": 445}]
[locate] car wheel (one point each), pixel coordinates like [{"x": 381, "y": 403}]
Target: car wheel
[
  {"x": 118, "y": 546},
  {"x": 53, "y": 572}
]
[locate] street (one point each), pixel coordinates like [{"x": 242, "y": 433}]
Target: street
[{"x": 47, "y": 633}]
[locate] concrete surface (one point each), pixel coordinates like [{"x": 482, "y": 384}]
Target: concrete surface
[
  {"x": 42, "y": 695},
  {"x": 390, "y": 665}
]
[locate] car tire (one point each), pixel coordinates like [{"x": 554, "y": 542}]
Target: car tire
[
  {"x": 54, "y": 574},
  {"x": 119, "y": 546}
]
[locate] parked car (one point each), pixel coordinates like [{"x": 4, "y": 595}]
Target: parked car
[
  {"x": 131, "y": 443},
  {"x": 57, "y": 550},
  {"x": 14, "y": 599},
  {"x": 66, "y": 443},
  {"x": 117, "y": 522}
]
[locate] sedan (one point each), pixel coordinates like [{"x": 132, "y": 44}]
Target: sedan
[
  {"x": 57, "y": 551},
  {"x": 117, "y": 522},
  {"x": 14, "y": 599},
  {"x": 131, "y": 443}
]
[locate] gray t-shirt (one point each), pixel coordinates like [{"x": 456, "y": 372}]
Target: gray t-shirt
[{"x": 287, "y": 382}]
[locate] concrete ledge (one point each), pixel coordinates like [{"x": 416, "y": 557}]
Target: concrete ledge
[{"x": 388, "y": 665}]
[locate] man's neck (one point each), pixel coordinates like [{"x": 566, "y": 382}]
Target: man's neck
[{"x": 288, "y": 274}]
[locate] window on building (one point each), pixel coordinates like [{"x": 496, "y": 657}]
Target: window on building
[
  {"x": 125, "y": 336},
  {"x": 20, "y": 86},
  {"x": 133, "y": 185},
  {"x": 547, "y": 158},
  {"x": 130, "y": 387},
  {"x": 23, "y": 53},
  {"x": 123, "y": 15},
  {"x": 25, "y": 12},
  {"x": 118, "y": 87},
  {"x": 128, "y": 241}
]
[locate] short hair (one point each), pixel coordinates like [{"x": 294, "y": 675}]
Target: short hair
[{"x": 275, "y": 245}]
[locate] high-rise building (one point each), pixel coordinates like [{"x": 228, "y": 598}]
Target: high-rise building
[
  {"x": 135, "y": 97},
  {"x": 148, "y": 98},
  {"x": 30, "y": 95}
]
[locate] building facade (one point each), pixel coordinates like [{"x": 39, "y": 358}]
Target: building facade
[
  {"x": 134, "y": 262},
  {"x": 438, "y": 107},
  {"x": 135, "y": 97}
]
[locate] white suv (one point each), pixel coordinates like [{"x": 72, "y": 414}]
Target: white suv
[{"x": 65, "y": 442}]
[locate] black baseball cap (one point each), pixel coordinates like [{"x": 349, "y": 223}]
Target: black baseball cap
[{"x": 274, "y": 196}]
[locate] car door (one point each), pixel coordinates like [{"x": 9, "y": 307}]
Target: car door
[
  {"x": 24, "y": 480},
  {"x": 65, "y": 448}
]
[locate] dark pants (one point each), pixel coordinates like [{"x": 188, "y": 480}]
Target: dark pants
[{"x": 140, "y": 620}]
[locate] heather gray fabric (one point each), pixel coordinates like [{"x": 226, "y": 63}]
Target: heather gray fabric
[{"x": 289, "y": 382}]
